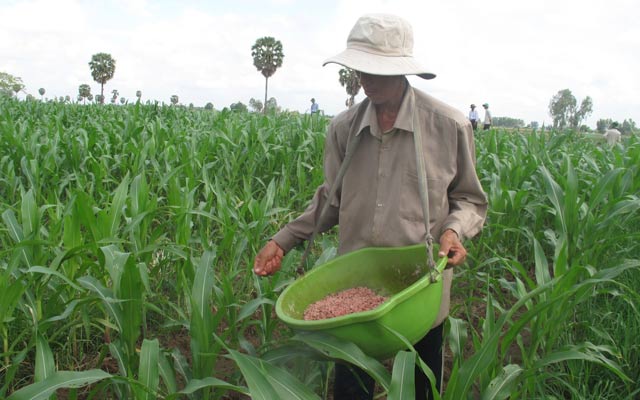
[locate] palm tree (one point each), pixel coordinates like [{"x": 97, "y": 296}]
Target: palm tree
[
  {"x": 349, "y": 79},
  {"x": 114, "y": 96},
  {"x": 103, "y": 66},
  {"x": 41, "y": 91},
  {"x": 174, "y": 99},
  {"x": 267, "y": 58},
  {"x": 84, "y": 91}
]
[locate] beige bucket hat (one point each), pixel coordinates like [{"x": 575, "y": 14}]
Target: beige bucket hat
[{"x": 381, "y": 44}]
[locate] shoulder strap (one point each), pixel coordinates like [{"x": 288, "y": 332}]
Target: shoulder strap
[
  {"x": 352, "y": 143},
  {"x": 422, "y": 184}
]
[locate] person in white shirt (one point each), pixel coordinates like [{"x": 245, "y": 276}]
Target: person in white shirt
[
  {"x": 474, "y": 117},
  {"x": 487, "y": 117},
  {"x": 612, "y": 135}
]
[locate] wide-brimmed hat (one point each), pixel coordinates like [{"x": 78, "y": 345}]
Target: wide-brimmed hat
[{"x": 381, "y": 44}]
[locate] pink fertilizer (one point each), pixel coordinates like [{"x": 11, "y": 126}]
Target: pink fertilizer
[{"x": 345, "y": 302}]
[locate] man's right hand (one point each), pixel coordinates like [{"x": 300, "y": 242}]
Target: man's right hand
[{"x": 269, "y": 259}]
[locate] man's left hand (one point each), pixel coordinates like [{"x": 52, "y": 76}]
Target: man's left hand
[{"x": 451, "y": 247}]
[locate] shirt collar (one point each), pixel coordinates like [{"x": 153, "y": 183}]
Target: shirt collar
[{"x": 404, "y": 120}]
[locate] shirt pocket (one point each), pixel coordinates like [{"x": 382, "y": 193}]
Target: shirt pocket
[{"x": 411, "y": 201}]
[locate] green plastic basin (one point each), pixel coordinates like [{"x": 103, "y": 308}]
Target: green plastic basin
[{"x": 399, "y": 273}]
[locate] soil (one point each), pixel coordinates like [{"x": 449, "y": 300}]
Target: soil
[{"x": 345, "y": 302}]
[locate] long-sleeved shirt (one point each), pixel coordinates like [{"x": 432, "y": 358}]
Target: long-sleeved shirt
[
  {"x": 378, "y": 203},
  {"x": 487, "y": 117},
  {"x": 473, "y": 115}
]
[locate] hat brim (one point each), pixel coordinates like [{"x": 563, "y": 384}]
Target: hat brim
[{"x": 375, "y": 64}]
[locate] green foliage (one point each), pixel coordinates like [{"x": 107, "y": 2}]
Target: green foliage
[
  {"x": 84, "y": 91},
  {"x": 10, "y": 84},
  {"x": 256, "y": 105},
  {"x": 564, "y": 110},
  {"x": 628, "y": 126},
  {"x": 267, "y": 58},
  {"x": 350, "y": 81},
  {"x": 507, "y": 122},
  {"x": 239, "y": 107},
  {"x": 267, "y": 55},
  {"x": 103, "y": 67}
]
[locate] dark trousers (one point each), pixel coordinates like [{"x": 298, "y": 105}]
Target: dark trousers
[
  {"x": 352, "y": 383},
  {"x": 474, "y": 124}
]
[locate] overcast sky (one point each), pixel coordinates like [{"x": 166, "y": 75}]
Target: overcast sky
[{"x": 515, "y": 55}]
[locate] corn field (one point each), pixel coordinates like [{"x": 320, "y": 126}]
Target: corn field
[{"x": 128, "y": 234}]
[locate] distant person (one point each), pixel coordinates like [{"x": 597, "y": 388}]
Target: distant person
[
  {"x": 487, "y": 117},
  {"x": 474, "y": 117},
  {"x": 612, "y": 135},
  {"x": 314, "y": 106}
]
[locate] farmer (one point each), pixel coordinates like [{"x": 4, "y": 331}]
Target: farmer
[
  {"x": 487, "y": 117},
  {"x": 474, "y": 117},
  {"x": 314, "y": 106},
  {"x": 612, "y": 135},
  {"x": 379, "y": 204}
]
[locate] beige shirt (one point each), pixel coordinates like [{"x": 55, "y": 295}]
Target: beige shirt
[{"x": 378, "y": 204}]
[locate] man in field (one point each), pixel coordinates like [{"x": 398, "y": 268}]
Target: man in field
[
  {"x": 378, "y": 203},
  {"x": 612, "y": 135},
  {"x": 487, "y": 117},
  {"x": 314, "y": 106},
  {"x": 474, "y": 117}
]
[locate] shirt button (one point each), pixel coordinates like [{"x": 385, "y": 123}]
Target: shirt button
[{"x": 379, "y": 204}]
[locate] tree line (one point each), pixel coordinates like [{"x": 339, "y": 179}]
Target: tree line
[{"x": 268, "y": 55}]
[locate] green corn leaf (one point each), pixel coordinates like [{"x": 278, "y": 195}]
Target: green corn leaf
[
  {"x": 30, "y": 218},
  {"x": 263, "y": 378},
  {"x": 10, "y": 293},
  {"x": 106, "y": 295},
  {"x": 259, "y": 386},
  {"x": 45, "y": 364},
  {"x": 194, "y": 385},
  {"x": 71, "y": 236},
  {"x": 117, "y": 206},
  {"x": 542, "y": 267},
  {"x": 167, "y": 373},
  {"x": 15, "y": 230},
  {"x": 403, "y": 376},
  {"x": 148, "y": 372},
  {"x": 59, "y": 380},
  {"x": 555, "y": 194},
  {"x": 457, "y": 335},
  {"x": 251, "y": 306},
  {"x": 114, "y": 262},
  {"x": 47, "y": 271},
  {"x": 484, "y": 358},
  {"x": 503, "y": 385},
  {"x": 583, "y": 351},
  {"x": 131, "y": 293},
  {"x": 337, "y": 349},
  {"x": 203, "y": 284},
  {"x": 139, "y": 194}
]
